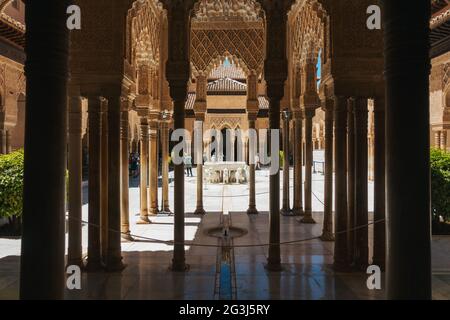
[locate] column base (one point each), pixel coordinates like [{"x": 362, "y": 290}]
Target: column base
[
  {"x": 153, "y": 212},
  {"x": 327, "y": 236},
  {"x": 143, "y": 220},
  {"x": 126, "y": 237},
  {"x": 307, "y": 219},
  {"x": 274, "y": 266},
  {"x": 297, "y": 211},
  {"x": 166, "y": 211},
  {"x": 200, "y": 211},
  {"x": 287, "y": 212},
  {"x": 252, "y": 210},
  {"x": 115, "y": 265},
  {"x": 179, "y": 267},
  {"x": 94, "y": 266}
]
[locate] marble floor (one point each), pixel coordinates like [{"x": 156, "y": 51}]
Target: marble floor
[{"x": 306, "y": 274}]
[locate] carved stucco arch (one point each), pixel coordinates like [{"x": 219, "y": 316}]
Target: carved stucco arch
[
  {"x": 234, "y": 28},
  {"x": 146, "y": 29},
  {"x": 308, "y": 30}
]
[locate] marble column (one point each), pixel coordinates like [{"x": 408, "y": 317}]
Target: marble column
[
  {"x": 198, "y": 143},
  {"x": 437, "y": 139},
  {"x": 327, "y": 233},
  {"x": 2, "y": 141},
  {"x": 309, "y": 114},
  {"x": 379, "y": 228},
  {"x": 143, "y": 172},
  {"x": 298, "y": 167},
  {"x": 74, "y": 252},
  {"x": 286, "y": 209},
  {"x": 179, "y": 261},
  {"x": 104, "y": 181},
  {"x": 42, "y": 254},
  {"x": 153, "y": 168},
  {"x": 361, "y": 233},
  {"x": 443, "y": 139},
  {"x": 114, "y": 256},
  {"x": 351, "y": 192},
  {"x": 124, "y": 171},
  {"x": 341, "y": 262},
  {"x": 274, "y": 259},
  {"x": 8, "y": 141},
  {"x": 407, "y": 70},
  {"x": 94, "y": 259},
  {"x": 165, "y": 167},
  {"x": 252, "y": 145}
]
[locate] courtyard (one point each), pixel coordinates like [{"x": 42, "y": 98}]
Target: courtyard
[{"x": 306, "y": 260}]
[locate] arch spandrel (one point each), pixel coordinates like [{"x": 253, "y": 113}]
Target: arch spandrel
[{"x": 235, "y": 28}]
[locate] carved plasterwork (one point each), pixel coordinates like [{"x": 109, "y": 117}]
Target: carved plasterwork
[
  {"x": 146, "y": 32},
  {"x": 307, "y": 18},
  {"x": 245, "y": 47},
  {"x": 227, "y": 10}
]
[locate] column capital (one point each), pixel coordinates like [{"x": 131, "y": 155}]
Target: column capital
[{"x": 309, "y": 112}]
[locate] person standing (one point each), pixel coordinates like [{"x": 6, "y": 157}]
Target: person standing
[{"x": 188, "y": 165}]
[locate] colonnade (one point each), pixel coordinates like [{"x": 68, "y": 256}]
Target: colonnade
[
  {"x": 5, "y": 141},
  {"x": 407, "y": 178},
  {"x": 440, "y": 139}
]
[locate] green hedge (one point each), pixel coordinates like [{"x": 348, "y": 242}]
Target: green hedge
[
  {"x": 11, "y": 184},
  {"x": 440, "y": 184}
]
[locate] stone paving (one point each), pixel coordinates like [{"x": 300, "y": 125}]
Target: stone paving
[{"x": 307, "y": 272}]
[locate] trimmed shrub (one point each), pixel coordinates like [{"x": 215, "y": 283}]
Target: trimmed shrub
[
  {"x": 440, "y": 184},
  {"x": 11, "y": 184}
]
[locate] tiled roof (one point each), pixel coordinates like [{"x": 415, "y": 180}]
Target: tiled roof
[
  {"x": 227, "y": 71},
  {"x": 263, "y": 102},
  {"x": 190, "y": 101},
  {"x": 226, "y": 85}
]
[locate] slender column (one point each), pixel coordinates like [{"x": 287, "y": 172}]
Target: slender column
[
  {"x": 252, "y": 165},
  {"x": 153, "y": 168},
  {"x": 114, "y": 257},
  {"x": 74, "y": 252},
  {"x": 327, "y": 234},
  {"x": 309, "y": 114},
  {"x": 143, "y": 171},
  {"x": 165, "y": 167},
  {"x": 179, "y": 261},
  {"x": 124, "y": 167},
  {"x": 298, "y": 167},
  {"x": 274, "y": 259},
  {"x": 104, "y": 181},
  {"x": 286, "y": 210},
  {"x": 341, "y": 262},
  {"x": 94, "y": 261},
  {"x": 199, "y": 159},
  {"x": 42, "y": 254},
  {"x": 2, "y": 141},
  {"x": 379, "y": 228},
  {"x": 361, "y": 179},
  {"x": 437, "y": 139},
  {"x": 351, "y": 192},
  {"x": 444, "y": 139},
  {"x": 8, "y": 141},
  {"x": 408, "y": 177}
]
